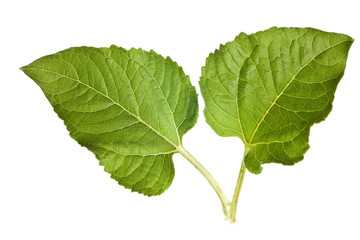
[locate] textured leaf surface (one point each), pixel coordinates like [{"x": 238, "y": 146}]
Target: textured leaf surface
[
  {"x": 270, "y": 87},
  {"x": 129, "y": 107}
]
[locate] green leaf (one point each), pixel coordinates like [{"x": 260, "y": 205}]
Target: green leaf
[
  {"x": 129, "y": 107},
  {"x": 270, "y": 87}
]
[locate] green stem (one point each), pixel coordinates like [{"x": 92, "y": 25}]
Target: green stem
[
  {"x": 234, "y": 202},
  {"x": 223, "y": 198}
]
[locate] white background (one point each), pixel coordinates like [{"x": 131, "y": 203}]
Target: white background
[{"x": 51, "y": 188}]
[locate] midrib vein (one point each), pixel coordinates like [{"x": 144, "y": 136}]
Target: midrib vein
[
  {"x": 114, "y": 102},
  {"x": 284, "y": 89}
]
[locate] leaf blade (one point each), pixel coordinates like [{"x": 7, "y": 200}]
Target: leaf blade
[
  {"x": 117, "y": 103},
  {"x": 286, "y": 83}
]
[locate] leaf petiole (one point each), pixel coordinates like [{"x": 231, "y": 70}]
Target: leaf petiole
[
  {"x": 214, "y": 184},
  {"x": 235, "y": 199}
]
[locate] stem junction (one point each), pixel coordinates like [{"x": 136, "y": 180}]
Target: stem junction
[{"x": 229, "y": 208}]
